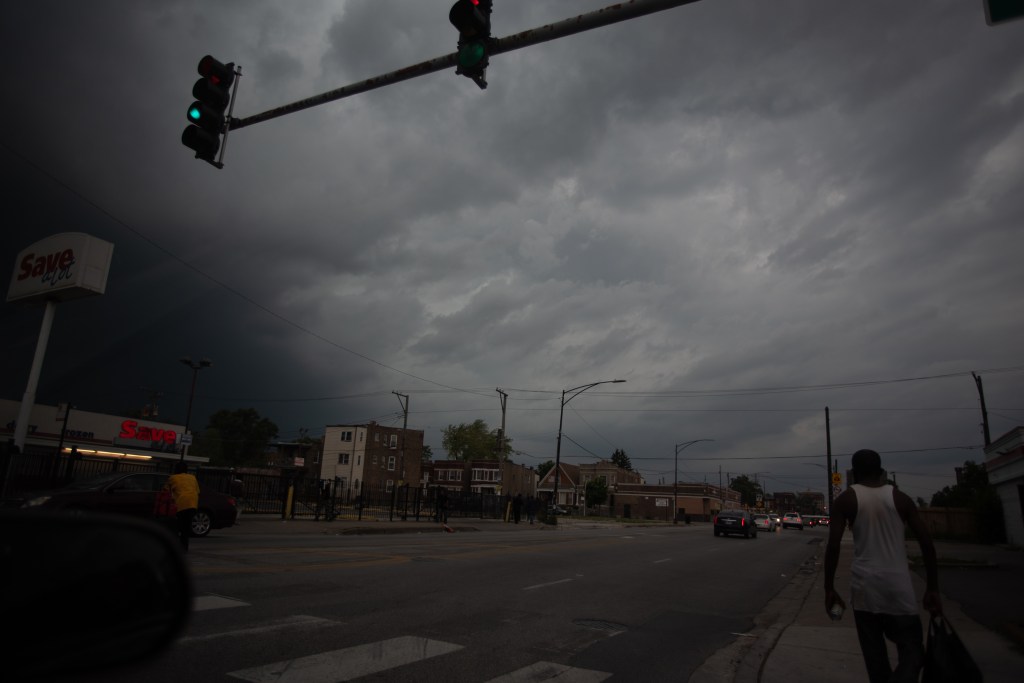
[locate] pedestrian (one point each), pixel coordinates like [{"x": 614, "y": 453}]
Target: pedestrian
[
  {"x": 238, "y": 493},
  {"x": 185, "y": 489},
  {"x": 442, "y": 505},
  {"x": 517, "y": 507},
  {"x": 881, "y": 594},
  {"x": 531, "y": 508}
]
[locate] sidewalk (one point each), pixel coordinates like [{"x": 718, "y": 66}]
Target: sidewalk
[{"x": 794, "y": 641}]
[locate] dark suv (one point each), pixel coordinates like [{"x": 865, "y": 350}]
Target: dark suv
[{"x": 735, "y": 522}]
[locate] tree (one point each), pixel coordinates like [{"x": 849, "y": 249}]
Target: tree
[
  {"x": 620, "y": 458},
  {"x": 596, "y": 491},
  {"x": 472, "y": 441},
  {"x": 235, "y": 438},
  {"x": 748, "y": 489},
  {"x": 973, "y": 491},
  {"x": 544, "y": 468},
  {"x": 428, "y": 454}
]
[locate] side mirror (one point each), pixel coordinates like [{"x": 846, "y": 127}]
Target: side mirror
[{"x": 86, "y": 592}]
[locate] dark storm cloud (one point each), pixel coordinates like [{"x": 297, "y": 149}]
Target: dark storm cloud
[{"x": 727, "y": 195}]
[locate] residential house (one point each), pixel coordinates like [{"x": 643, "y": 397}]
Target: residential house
[
  {"x": 1004, "y": 462},
  {"x": 570, "y": 491},
  {"x": 357, "y": 456}
]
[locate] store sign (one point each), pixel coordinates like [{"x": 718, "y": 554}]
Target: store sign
[
  {"x": 130, "y": 429},
  {"x": 64, "y": 266}
]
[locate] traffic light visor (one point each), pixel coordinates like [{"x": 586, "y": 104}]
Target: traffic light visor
[
  {"x": 204, "y": 144},
  {"x": 221, "y": 75}
]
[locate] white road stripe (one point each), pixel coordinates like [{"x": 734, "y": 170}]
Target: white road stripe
[
  {"x": 205, "y": 602},
  {"x": 667, "y": 559},
  {"x": 299, "y": 621},
  {"x": 546, "y": 671},
  {"x": 348, "y": 663},
  {"x": 545, "y": 585}
]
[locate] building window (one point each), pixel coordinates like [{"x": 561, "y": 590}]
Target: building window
[
  {"x": 390, "y": 485},
  {"x": 359, "y": 460},
  {"x": 374, "y": 458},
  {"x": 391, "y": 463},
  {"x": 343, "y": 458},
  {"x": 346, "y": 436},
  {"x": 361, "y": 435},
  {"x": 394, "y": 441},
  {"x": 356, "y": 485},
  {"x": 376, "y": 436}
]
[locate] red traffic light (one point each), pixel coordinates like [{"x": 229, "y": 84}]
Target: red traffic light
[{"x": 220, "y": 75}]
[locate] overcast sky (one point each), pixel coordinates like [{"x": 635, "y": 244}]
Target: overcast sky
[{"x": 748, "y": 210}]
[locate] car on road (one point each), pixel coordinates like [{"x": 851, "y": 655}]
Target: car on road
[
  {"x": 134, "y": 493},
  {"x": 775, "y": 518},
  {"x": 764, "y": 522},
  {"x": 792, "y": 520},
  {"x": 735, "y": 522}
]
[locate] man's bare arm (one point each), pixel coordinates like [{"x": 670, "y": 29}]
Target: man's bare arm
[{"x": 911, "y": 517}]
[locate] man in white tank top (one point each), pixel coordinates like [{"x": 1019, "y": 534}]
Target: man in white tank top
[{"x": 882, "y": 596}]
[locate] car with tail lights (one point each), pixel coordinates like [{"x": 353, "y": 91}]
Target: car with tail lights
[{"x": 739, "y": 522}]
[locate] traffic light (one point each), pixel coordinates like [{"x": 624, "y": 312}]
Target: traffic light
[
  {"x": 472, "y": 18},
  {"x": 1001, "y": 11},
  {"x": 206, "y": 114}
]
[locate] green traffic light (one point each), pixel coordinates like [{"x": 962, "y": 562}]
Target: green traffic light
[
  {"x": 194, "y": 113},
  {"x": 472, "y": 54}
]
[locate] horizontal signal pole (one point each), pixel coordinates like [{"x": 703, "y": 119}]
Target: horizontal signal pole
[{"x": 623, "y": 11}]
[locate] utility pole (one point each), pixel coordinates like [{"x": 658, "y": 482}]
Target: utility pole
[
  {"x": 984, "y": 412},
  {"x": 502, "y": 452},
  {"x": 623, "y": 11},
  {"x": 828, "y": 456}
]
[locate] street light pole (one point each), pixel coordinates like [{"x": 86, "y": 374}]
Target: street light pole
[
  {"x": 573, "y": 393},
  {"x": 675, "y": 479},
  {"x": 196, "y": 367}
]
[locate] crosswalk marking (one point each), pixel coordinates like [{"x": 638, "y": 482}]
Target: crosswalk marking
[
  {"x": 546, "y": 671},
  {"x": 348, "y": 663}
]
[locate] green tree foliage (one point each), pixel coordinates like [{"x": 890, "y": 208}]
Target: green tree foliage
[
  {"x": 472, "y": 441},
  {"x": 544, "y": 468},
  {"x": 237, "y": 438},
  {"x": 748, "y": 489},
  {"x": 973, "y": 491},
  {"x": 596, "y": 491},
  {"x": 620, "y": 458},
  {"x": 428, "y": 454}
]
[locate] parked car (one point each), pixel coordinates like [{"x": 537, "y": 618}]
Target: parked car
[
  {"x": 735, "y": 522},
  {"x": 775, "y": 518},
  {"x": 792, "y": 520},
  {"x": 134, "y": 493},
  {"x": 764, "y": 522}
]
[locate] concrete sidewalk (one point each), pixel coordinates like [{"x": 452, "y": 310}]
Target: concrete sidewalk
[{"x": 794, "y": 640}]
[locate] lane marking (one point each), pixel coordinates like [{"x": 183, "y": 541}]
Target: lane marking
[
  {"x": 545, "y": 585},
  {"x": 213, "y": 601},
  {"x": 545, "y": 671},
  {"x": 667, "y": 559},
  {"x": 297, "y": 621},
  {"x": 348, "y": 663}
]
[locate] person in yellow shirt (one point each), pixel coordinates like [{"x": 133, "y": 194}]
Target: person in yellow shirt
[{"x": 184, "y": 489}]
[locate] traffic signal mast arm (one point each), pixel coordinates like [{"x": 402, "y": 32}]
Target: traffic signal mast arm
[{"x": 603, "y": 17}]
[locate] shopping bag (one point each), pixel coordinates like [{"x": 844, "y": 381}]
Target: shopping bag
[
  {"x": 164, "y": 505},
  {"x": 946, "y": 659}
]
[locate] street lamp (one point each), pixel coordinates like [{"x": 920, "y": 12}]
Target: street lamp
[
  {"x": 196, "y": 367},
  {"x": 828, "y": 481},
  {"x": 675, "y": 480},
  {"x": 573, "y": 393}
]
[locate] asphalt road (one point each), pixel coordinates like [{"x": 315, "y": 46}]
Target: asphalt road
[{"x": 642, "y": 604}]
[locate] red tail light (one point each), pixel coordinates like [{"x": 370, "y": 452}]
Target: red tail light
[
  {"x": 743, "y": 522},
  {"x": 716, "y": 519}
]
